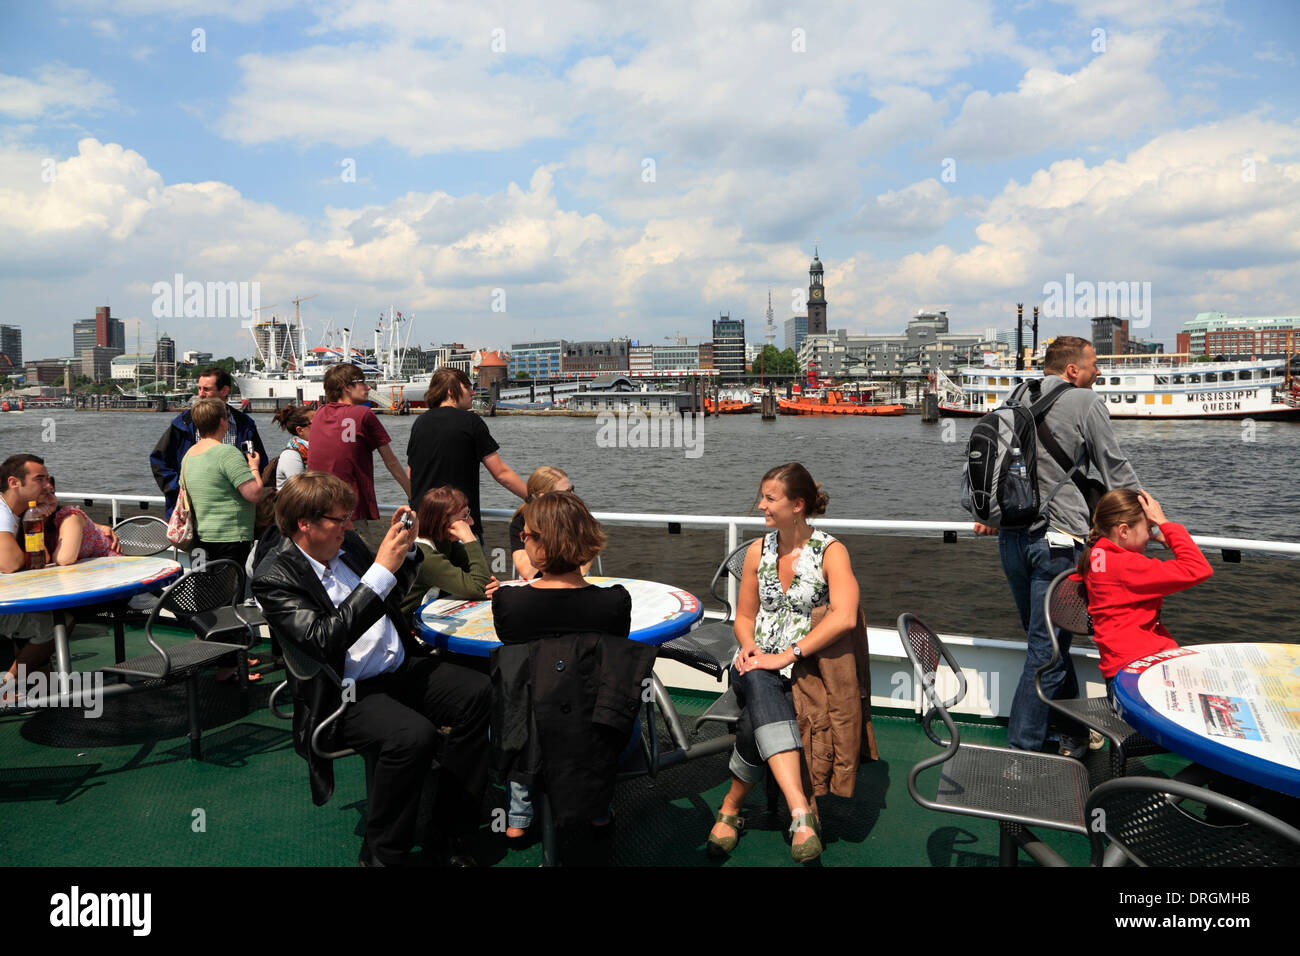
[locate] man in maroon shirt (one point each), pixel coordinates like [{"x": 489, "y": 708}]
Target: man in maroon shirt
[{"x": 344, "y": 435}]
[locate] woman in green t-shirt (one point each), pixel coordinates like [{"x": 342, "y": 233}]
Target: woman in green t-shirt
[{"x": 224, "y": 486}]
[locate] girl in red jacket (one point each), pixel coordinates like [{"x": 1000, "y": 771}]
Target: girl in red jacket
[{"x": 1125, "y": 587}]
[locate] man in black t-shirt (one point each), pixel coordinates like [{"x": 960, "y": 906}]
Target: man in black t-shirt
[{"x": 448, "y": 441}]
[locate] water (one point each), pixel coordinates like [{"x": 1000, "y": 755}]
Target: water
[{"x": 1225, "y": 478}]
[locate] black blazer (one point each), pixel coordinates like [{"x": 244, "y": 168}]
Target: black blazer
[
  {"x": 298, "y": 609},
  {"x": 563, "y": 708}
]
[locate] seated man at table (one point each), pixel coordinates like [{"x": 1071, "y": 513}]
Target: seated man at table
[
  {"x": 23, "y": 479},
  {"x": 324, "y": 591}
]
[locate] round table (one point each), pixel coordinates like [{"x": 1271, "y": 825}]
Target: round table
[
  {"x": 1231, "y": 707},
  {"x": 96, "y": 581},
  {"x": 660, "y": 613}
]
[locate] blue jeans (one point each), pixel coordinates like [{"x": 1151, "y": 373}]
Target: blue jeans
[
  {"x": 1030, "y": 565},
  {"x": 767, "y": 724}
]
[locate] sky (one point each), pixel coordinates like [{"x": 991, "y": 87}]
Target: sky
[{"x": 506, "y": 172}]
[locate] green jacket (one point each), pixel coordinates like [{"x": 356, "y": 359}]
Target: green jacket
[{"x": 451, "y": 568}]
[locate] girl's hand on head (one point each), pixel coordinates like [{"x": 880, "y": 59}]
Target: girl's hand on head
[{"x": 1151, "y": 508}]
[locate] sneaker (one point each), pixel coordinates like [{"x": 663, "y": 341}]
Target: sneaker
[{"x": 1095, "y": 740}]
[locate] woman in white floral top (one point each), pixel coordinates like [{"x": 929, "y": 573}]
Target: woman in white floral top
[{"x": 788, "y": 573}]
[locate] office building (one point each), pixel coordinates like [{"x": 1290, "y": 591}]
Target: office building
[
  {"x": 11, "y": 347},
  {"x": 729, "y": 345}
]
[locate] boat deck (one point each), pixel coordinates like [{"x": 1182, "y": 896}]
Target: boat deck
[{"x": 120, "y": 790}]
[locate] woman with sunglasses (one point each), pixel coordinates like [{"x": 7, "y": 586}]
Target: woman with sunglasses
[
  {"x": 561, "y": 537},
  {"x": 454, "y": 564}
]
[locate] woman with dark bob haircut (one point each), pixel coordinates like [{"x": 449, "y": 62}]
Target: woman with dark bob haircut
[
  {"x": 454, "y": 564},
  {"x": 787, "y": 574},
  {"x": 560, "y": 537}
]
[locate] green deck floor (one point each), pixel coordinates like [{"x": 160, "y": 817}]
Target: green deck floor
[{"x": 121, "y": 790}]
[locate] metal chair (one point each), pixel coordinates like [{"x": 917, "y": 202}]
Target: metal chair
[
  {"x": 710, "y": 647},
  {"x": 1066, "y": 607},
  {"x": 1149, "y": 821},
  {"x": 204, "y": 602},
  {"x": 140, "y": 536},
  {"x": 1017, "y": 788},
  {"x": 304, "y": 667}
]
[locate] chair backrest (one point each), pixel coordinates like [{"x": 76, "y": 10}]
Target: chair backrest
[
  {"x": 304, "y": 665},
  {"x": 142, "y": 536},
  {"x": 1067, "y": 605},
  {"x": 733, "y": 564},
  {"x": 215, "y": 584},
  {"x": 925, "y": 651},
  {"x": 1151, "y": 821}
]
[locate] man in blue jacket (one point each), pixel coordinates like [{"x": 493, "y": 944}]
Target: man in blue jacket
[{"x": 180, "y": 436}]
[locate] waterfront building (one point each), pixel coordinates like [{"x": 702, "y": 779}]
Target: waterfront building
[
  {"x": 673, "y": 358},
  {"x": 729, "y": 345},
  {"x": 536, "y": 359},
  {"x": 925, "y": 344},
  {"x": 796, "y": 327},
  {"x": 1110, "y": 335},
  {"x": 1194, "y": 337},
  {"x": 706, "y": 355},
  {"x": 165, "y": 359},
  {"x": 11, "y": 347},
  {"x": 198, "y": 359},
  {"x": 103, "y": 330},
  {"x": 97, "y": 363},
  {"x": 594, "y": 356},
  {"x": 449, "y": 355},
  {"x": 492, "y": 368},
  {"x": 641, "y": 358},
  {"x": 47, "y": 371}
]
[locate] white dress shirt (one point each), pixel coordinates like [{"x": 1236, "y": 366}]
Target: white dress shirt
[{"x": 379, "y": 650}]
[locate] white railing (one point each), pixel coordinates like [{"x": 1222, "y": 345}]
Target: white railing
[{"x": 732, "y": 525}]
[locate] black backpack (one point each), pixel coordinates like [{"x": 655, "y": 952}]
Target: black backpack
[{"x": 999, "y": 485}]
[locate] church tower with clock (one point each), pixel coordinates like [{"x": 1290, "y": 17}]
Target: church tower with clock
[{"x": 816, "y": 297}]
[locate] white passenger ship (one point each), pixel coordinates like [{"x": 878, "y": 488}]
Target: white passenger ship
[{"x": 1145, "y": 386}]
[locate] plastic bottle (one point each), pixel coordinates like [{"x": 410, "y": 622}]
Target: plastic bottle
[
  {"x": 34, "y": 537},
  {"x": 1017, "y": 463}
]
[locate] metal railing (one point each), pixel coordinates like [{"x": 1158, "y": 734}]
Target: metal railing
[{"x": 731, "y": 525}]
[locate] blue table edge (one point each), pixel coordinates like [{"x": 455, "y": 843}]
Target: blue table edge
[{"x": 1186, "y": 743}]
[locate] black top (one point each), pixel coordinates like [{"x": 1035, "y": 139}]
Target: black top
[
  {"x": 446, "y": 446},
  {"x": 527, "y": 613}
]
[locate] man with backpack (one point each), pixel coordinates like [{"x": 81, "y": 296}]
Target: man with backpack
[{"x": 1034, "y": 495}]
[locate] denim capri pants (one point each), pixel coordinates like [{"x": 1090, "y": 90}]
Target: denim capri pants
[{"x": 767, "y": 724}]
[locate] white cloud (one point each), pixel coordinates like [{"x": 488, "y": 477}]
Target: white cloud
[
  {"x": 920, "y": 209},
  {"x": 1112, "y": 97},
  {"x": 57, "y": 90}
]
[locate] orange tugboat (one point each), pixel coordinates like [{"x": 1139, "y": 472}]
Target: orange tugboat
[{"x": 828, "y": 400}]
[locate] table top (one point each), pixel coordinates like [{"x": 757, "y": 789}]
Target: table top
[
  {"x": 87, "y": 582},
  {"x": 1232, "y": 707},
  {"x": 660, "y": 613}
]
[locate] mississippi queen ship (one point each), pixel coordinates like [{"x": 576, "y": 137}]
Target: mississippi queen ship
[{"x": 1145, "y": 386}]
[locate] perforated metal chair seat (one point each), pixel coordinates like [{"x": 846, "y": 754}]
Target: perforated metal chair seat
[
  {"x": 183, "y": 658},
  {"x": 724, "y": 710},
  {"x": 1151, "y": 822},
  {"x": 708, "y": 648},
  {"x": 1097, "y": 713},
  {"x": 1015, "y": 786}
]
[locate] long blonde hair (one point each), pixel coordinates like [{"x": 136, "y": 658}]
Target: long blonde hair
[{"x": 540, "y": 482}]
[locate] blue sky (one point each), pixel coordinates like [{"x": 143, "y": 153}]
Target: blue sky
[{"x": 591, "y": 171}]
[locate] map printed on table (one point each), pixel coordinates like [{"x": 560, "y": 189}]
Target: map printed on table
[
  {"x": 1242, "y": 696},
  {"x": 86, "y": 582},
  {"x": 657, "y": 610}
]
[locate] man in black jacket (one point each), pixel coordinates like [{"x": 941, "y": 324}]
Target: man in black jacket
[{"x": 322, "y": 590}]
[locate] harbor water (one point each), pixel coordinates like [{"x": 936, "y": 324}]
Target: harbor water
[{"x": 1221, "y": 478}]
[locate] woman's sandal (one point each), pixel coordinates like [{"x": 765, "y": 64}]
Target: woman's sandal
[
  {"x": 722, "y": 846},
  {"x": 810, "y": 848}
]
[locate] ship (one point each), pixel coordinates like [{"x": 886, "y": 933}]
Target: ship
[
  {"x": 1145, "y": 387},
  {"x": 299, "y": 375}
]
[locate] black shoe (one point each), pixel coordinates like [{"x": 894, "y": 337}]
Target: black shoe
[
  {"x": 451, "y": 851},
  {"x": 1076, "y": 747},
  {"x": 366, "y": 858}
]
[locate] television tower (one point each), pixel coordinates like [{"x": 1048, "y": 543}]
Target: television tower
[{"x": 769, "y": 330}]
